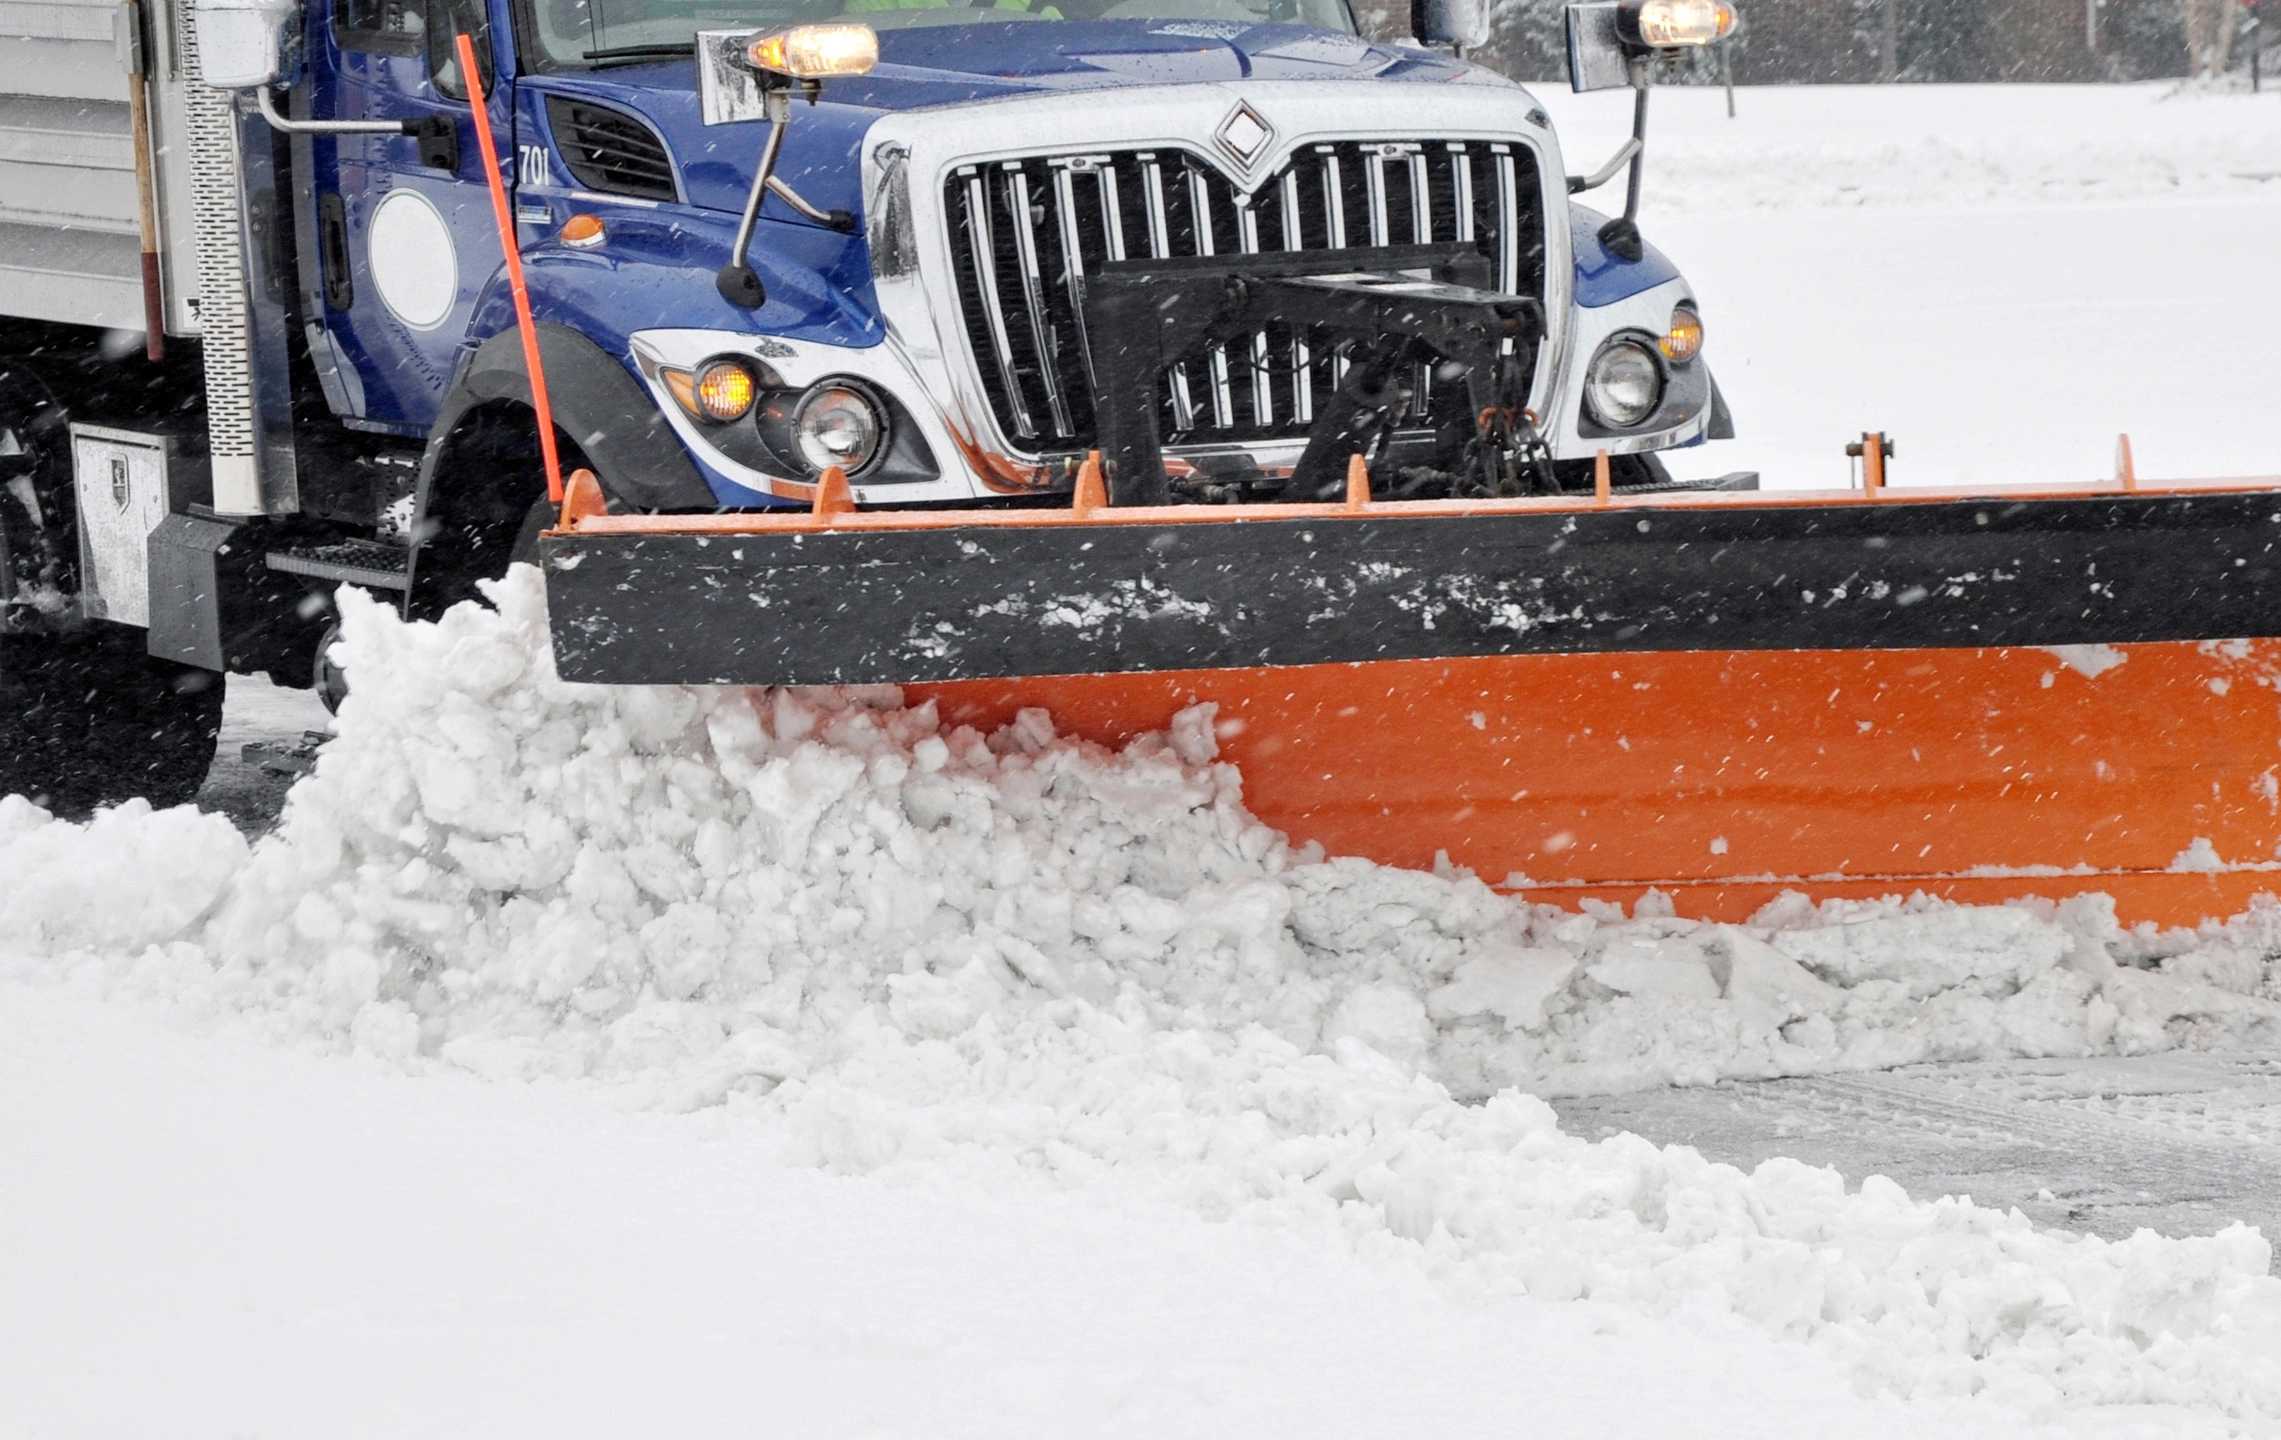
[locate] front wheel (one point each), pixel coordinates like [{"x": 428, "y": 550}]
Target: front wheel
[{"x": 89, "y": 719}]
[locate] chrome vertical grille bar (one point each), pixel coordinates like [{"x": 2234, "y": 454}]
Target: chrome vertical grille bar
[
  {"x": 1374, "y": 174},
  {"x": 1160, "y": 248},
  {"x": 1421, "y": 198},
  {"x": 1073, "y": 259},
  {"x": 1302, "y": 363},
  {"x": 1033, "y": 294},
  {"x": 1200, "y": 206},
  {"x": 1422, "y": 226},
  {"x": 1461, "y": 160},
  {"x": 1334, "y": 203},
  {"x": 1112, "y": 209},
  {"x": 1508, "y": 223},
  {"x": 1508, "y": 228},
  {"x": 1262, "y": 388},
  {"x": 986, "y": 266}
]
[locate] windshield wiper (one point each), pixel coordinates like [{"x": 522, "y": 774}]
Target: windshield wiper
[{"x": 634, "y": 54}]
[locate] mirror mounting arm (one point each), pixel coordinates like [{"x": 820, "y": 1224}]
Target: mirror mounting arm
[
  {"x": 1579, "y": 184},
  {"x": 1621, "y": 236},
  {"x": 737, "y": 281}
]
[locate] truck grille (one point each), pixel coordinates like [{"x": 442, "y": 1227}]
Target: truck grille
[{"x": 1023, "y": 233}]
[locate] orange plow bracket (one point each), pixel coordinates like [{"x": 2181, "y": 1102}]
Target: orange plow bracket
[{"x": 1727, "y": 778}]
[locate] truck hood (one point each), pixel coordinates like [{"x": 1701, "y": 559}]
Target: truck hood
[{"x": 927, "y": 67}]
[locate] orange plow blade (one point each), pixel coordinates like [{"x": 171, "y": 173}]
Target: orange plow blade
[
  {"x": 1977, "y": 694},
  {"x": 2149, "y": 772}
]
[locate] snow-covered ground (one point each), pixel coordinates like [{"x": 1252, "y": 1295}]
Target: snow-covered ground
[
  {"x": 568, "y": 1062},
  {"x": 2003, "y": 278},
  {"x": 210, "y": 1237}
]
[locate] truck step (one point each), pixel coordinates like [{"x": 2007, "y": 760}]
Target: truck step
[
  {"x": 285, "y": 759},
  {"x": 373, "y": 564}
]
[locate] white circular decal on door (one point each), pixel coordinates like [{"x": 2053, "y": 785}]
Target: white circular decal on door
[{"x": 414, "y": 266}]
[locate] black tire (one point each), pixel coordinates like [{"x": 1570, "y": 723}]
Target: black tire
[
  {"x": 486, "y": 508},
  {"x": 331, "y": 682},
  {"x": 326, "y": 677},
  {"x": 89, "y": 719}
]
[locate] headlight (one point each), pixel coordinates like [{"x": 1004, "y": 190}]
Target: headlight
[
  {"x": 838, "y": 423},
  {"x": 1683, "y": 341},
  {"x": 1624, "y": 385},
  {"x": 1668, "y": 24},
  {"x": 816, "y": 52}
]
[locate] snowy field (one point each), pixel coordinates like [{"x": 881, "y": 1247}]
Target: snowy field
[
  {"x": 570, "y": 1063},
  {"x": 2003, "y": 278}
]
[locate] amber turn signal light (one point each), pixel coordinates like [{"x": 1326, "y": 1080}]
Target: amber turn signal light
[
  {"x": 1683, "y": 341},
  {"x": 582, "y": 232}
]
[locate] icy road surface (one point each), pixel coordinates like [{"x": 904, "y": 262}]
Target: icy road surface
[{"x": 2183, "y": 1144}]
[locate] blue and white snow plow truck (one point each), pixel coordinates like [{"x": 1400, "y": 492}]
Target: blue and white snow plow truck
[{"x": 258, "y": 338}]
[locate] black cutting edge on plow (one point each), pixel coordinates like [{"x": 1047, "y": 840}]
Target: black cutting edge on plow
[{"x": 860, "y": 605}]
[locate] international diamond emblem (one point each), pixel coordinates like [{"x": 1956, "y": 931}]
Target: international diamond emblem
[{"x": 1245, "y": 134}]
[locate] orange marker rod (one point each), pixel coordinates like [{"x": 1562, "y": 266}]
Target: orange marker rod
[{"x": 513, "y": 253}]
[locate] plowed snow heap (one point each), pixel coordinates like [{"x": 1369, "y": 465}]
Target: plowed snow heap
[{"x": 899, "y": 944}]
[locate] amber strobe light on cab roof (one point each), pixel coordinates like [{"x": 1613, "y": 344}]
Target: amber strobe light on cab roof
[
  {"x": 816, "y": 52},
  {"x": 1668, "y": 24}
]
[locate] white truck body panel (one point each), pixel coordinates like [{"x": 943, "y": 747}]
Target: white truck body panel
[{"x": 68, "y": 232}]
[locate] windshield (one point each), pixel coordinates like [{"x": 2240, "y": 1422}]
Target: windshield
[{"x": 588, "y": 32}]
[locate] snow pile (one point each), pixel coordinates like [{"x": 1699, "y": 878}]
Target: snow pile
[
  {"x": 905, "y": 949},
  {"x": 127, "y": 879},
  {"x": 532, "y": 878}
]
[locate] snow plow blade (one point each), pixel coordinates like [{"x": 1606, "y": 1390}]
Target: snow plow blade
[{"x": 1977, "y": 694}]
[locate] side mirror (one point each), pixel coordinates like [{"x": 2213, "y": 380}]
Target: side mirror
[
  {"x": 728, "y": 89},
  {"x": 242, "y": 44},
  {"x": 1596, "y": 57},
  {"x": 1607, "y": 37},
  {"x": 1462, "y": 23},
  {"x": 739, "y": 71}
]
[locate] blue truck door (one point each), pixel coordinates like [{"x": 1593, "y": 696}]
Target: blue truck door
[{"x": 406, "y": 238}]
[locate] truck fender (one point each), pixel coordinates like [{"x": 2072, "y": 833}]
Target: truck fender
[
  {"x": 480, "y": 475},
  {"x": 597, "y": 403}
]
